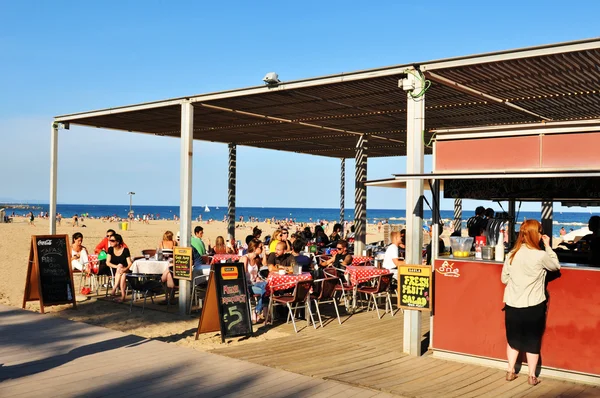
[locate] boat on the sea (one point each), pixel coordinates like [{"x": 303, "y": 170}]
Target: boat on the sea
[{"x": 206, "y": 209}]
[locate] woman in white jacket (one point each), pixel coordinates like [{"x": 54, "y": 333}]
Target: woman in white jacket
[
  {"x": 524, "y": 274},
  {"x": 79, "y": 255}
]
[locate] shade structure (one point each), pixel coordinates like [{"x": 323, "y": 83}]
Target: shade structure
[{"x": 323, "y": 116}]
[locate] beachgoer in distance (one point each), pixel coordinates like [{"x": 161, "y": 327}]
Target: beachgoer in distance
[
  {"x": 252, "y": 262},
  {"x": 524, "y": 274},
  {"x": 118, "y": 258},
  {"x": 391, "y": 259},
  {"x": 79, "y": 255},
  {"x": 279, "y": 259},
  {"x": 75, "y": 221},
  {"x": 477, "y": 223},
  {"x": 563, "y": 231},
  {"x": 31, "y": 219}
]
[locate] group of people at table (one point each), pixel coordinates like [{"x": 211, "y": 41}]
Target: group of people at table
[{"x": 284, "y": 253}]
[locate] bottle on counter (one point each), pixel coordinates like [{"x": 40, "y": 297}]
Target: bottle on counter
[{"x": 499, "y": 252}]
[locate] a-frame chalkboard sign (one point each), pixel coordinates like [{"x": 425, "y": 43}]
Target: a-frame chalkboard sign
[{"x": 49, "y": 272}]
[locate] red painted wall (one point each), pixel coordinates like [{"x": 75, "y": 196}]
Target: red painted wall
[
  {"x": 468, "y": 317},
  {"x": 488, "y": 154},
  {"x": 575, "y": 151}
]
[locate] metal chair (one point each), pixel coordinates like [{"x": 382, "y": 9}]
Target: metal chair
[
  {"x": 144, "y": 284},
  {"x": 200, "y": 283},
  {"x": 343, "y": 287},
  {"x": 326, "y": 295},
  {"x": 381, "y": 288},
  {"x": 301, "y": 296}
]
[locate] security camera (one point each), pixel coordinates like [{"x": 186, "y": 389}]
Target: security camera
[{"x": 271, "y": 78}]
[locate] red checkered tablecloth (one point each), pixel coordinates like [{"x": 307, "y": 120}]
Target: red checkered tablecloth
[
  {"x": 217, "y": 258},
  {"x": 284, "y": 282},
  {"x": 363, "y": 273}
]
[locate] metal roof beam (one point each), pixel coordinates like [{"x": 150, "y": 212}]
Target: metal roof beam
[
  {"x": 583, "y": 45},
  {"x": 468, "y": 90}
]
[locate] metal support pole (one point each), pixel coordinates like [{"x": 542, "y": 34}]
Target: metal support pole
[
  {"x": 547, "y": 216},
  {"x": 512, "y": 223},
  {"x": 435, "y": 243},
  {"x": 231, "y": 192},
  {"x": 415, "y": 125},
  {"x": 360, "y": 196},
  {"x": 185, "y": 203},
  {"x": 457, "y": 225},
  {"x": 53, "y": 176},
  {"x": 342, "y": 189}
]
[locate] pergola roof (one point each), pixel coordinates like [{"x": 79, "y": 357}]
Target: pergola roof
[{"x": 323, "y": 116}]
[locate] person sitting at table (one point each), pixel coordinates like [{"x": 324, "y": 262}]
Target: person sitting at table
[
  {"x": 167, "y": 241},
  {"x": 306, "y": 234},
  {"x": 336, "y": 234},
  {"x": 279, "y": 259},
  {"x": 79, "y": 255},
  {"x": 391, "y": 259},
  {"x": 275, "y": 239},
  {"x": 103, "y": 245},
  {"x": 304, "y": 261},
  {"x": 341, "y": 259},
  {"x": 256, "y": 233},
  {"x": 252, "y": 262},
  {"x": 118, "y": 258},
  {"x": 197, "y": 241},
  {"x": 219, "y": 247},
  {"x": 320, "y": 236},
  {"x": 284, "y": 238}
]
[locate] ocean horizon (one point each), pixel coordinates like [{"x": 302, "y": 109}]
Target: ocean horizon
[{"x": 569, "y": 220}]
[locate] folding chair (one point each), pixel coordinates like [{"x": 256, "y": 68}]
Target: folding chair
[
  {"x": 326, "y": 295},
  {"x": 197, "y": 290},
  {"x": 343, "y": 287},
  {"x": 301, "y": 296},
  {"x": 381, "y": 288}
]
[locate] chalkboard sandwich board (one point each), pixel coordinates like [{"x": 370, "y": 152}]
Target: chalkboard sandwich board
[
  {"x": 182, "y": 263},
  {"x": 232, "y": 300},
  {"x": 414, "y": 287},
  {"x": 49, "y": 272}
]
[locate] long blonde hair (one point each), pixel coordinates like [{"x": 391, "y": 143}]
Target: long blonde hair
[{"x": 529, "y": 235}]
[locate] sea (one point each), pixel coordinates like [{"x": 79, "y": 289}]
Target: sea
[{"x": 568, "y": 220}]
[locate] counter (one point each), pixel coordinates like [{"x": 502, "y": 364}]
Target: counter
[{"x": 468, "y": 316}]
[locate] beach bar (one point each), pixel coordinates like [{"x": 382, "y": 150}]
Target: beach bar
[{"x": 540, "y": 100}]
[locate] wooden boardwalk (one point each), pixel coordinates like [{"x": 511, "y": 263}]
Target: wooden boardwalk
[
  {"x": 46, "y": 356},
  {"x": 365, "y": 351}
]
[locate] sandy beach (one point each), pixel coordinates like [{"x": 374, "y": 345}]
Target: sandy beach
[{"x": 171, "y": 327}]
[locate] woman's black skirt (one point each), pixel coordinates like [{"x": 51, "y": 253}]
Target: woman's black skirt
[{"x": 525, "y": 327}]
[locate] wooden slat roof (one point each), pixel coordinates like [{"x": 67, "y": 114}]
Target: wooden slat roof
[{"x": 323, "y": 116}]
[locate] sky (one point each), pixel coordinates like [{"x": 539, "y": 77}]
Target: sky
[{"x": 63, "y": 57}]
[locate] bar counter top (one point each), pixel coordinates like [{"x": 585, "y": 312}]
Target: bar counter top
[{"x": 473, "y": 259}]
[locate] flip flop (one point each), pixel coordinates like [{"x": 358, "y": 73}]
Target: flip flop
[{"x": 117, "y": 300}]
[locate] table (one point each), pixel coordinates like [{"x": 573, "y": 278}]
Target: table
[
  {"x": 360, "y": 274},
  {"x": 143, "y": 266},
  {"x": 363, "y": 273},
  {"x": 284, "y": 282},
  {"x": 217, "y": 258}
]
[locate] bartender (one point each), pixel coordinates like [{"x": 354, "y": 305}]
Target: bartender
[{"x": 593, "y": 240}]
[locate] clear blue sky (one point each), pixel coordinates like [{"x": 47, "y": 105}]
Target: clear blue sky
[{"x": 59, "y": 57}]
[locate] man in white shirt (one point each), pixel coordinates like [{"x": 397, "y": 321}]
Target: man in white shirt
[{"x": 391, "y": 260}]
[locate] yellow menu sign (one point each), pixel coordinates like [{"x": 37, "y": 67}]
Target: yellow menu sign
[
  {"x": 182, "y": 263},
  {"x": 414, "y": 287}
]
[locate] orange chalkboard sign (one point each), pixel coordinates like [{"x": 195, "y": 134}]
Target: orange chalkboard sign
[
  {"x": 182, "y": 263},
  {"x": 49, "y": 272},
  {"x": 209, "y": 318}
]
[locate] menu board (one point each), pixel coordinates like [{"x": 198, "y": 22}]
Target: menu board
[
  {"x": 232, "y": 300},
  {"x": 49, "y": 273},
  {"x": 414, "y": 289},
  {"x": 182, "y": 263}
]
